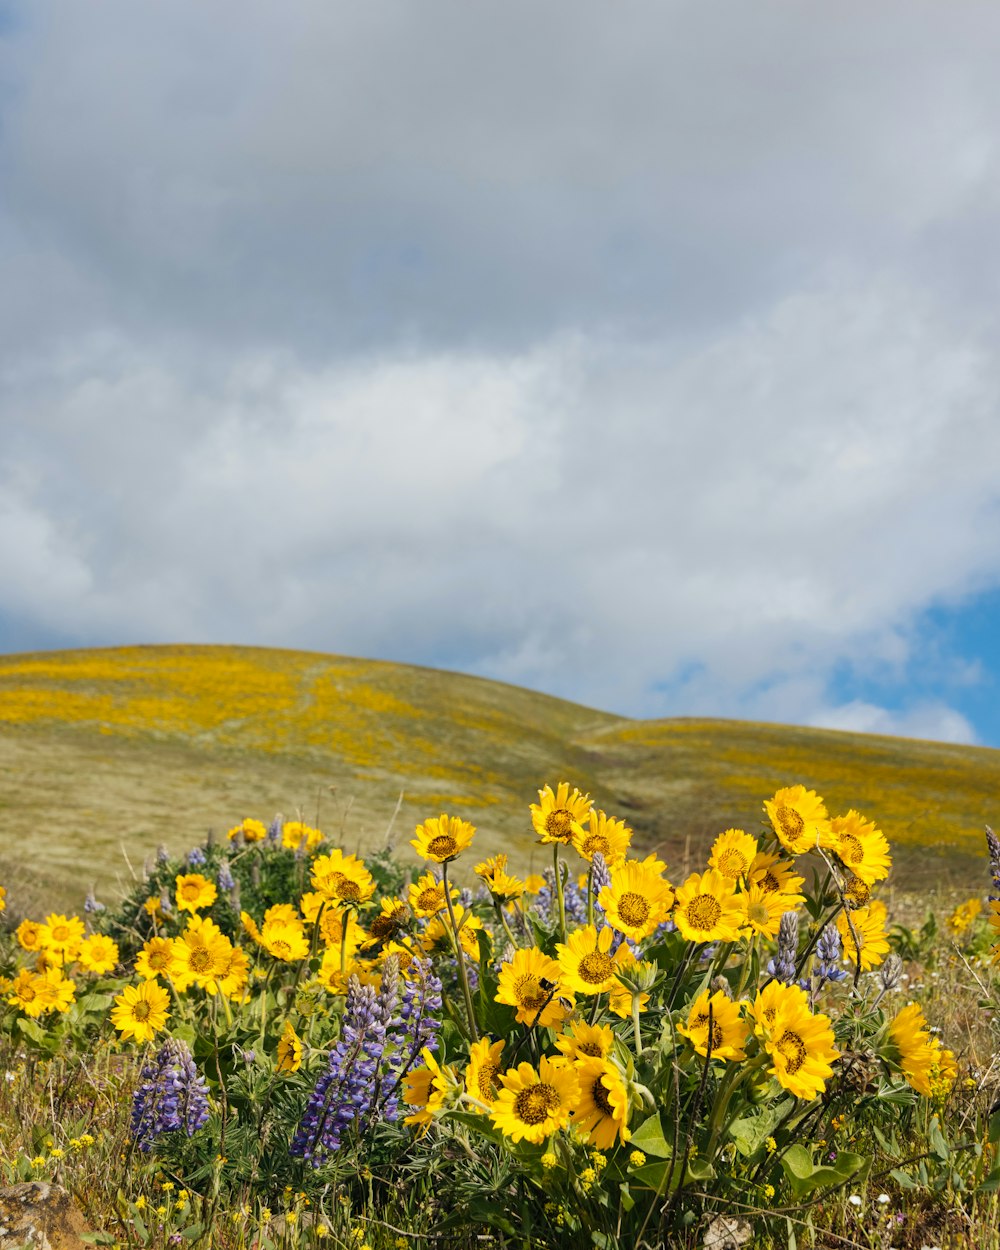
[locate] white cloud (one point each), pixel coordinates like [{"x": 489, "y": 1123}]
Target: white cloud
[{"x": 934, "y": 721}]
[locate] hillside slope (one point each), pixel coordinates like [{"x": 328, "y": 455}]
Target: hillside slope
[{"x": 102, "y": 750}]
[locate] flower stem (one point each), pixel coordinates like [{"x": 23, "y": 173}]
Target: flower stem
[
  {"x": 463, "y": 975},
  {"x": 557, "y": 869}
]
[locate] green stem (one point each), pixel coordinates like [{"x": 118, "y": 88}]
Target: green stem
[
  {"x": 557, "y": 868},
  {"x": 463, "y": 975}
]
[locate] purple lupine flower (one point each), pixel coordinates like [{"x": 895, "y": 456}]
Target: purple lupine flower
[
  {"x": 345, "y": 1091},
  {"x": 782, "y": 966},
  {"x": 166, "y": 902},
  {"x": 993, "y": 846},
  {"x": 574, "y": 900},
  {"x": 465, "y": 898},
  {"x": 162, "y": 854},
  {"x": 413, "y": 1027},
  {"x": 274, "y": 829},
  {"x": 195, "y": 857},
  {"x": 90, "y": 903},
  {"x": 828, "y": 956},
  {"x": 171, "y": 1095},
  {"x": 224, "y": 877}
]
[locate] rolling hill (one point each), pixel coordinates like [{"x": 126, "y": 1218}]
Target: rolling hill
[{"x": 104, "y": 754}]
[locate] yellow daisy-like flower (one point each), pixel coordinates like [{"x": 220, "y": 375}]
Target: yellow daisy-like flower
[
  {"x": 436, "y": 937},
  {"x": 153, "y": 907},
  {"x": 729, "y": 1029},
  {"x": 342, "y": 878},
  {"x": 763, "y": 910},
  {"x": 963, "y": 916},
  {"x": 3, "y": 898},
  {"x": 201, "y": 955},
  {"x": 249, "y": 830},
  {"x": 289, "y": 1050},
  {"x": 799, "y": 817},
  {"x": 857, "y": 893},
  {"x": 638, "y": 899},
  {"x": 294, "y": 833},
  {"x": 391, "y": 921},
  {"x": 530, "y": 1105},
  {"x": 864, "y": 936},
  {"x": 25, "y": 993},
  {"x": 332, "y": 931},
  {"x": 912, "y": 1049},
  {"x": 442, "y": 838},
  {"x": 194, "y": 892},
  {"x": 284, "y": 939},
  {"x": 601, "y": 1111},
  {"x": 427, "y": 896},
  {"x": 56, "y": 992},
  {"x": 620, "y": 999},
  {"x": 534, "y": 882},
  {"x": 587, "y": 968},
  {"x": 231, "y": 979},
  {"x": 559, "y": 816},
  {"x": 250, "y": 926},
  {"x": 531, "y": 983},
  {"x": 426, "y": 1089},
  {"x": 733, "y": 853},
  {"x": 800, "y": 1044},
  {"x": 140, "y": 1011},
  {"x": 606, "y": 835},
  {"x": 775, "y": 875},
  {"x": 586, "y": 1041},
  {"x": 707, "y": 908},
  {"x": 98, "y": 953},
  {"x": 61, "y": 936},
  {"x": 497, "y": 880},
  {"x": 29, "y": 935},
  {"x": 861, "y": 847},
  {"x": 482, "y": 1076},
  {"x": 155, "y": 958}
]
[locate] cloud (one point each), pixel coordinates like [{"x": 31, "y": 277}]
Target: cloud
[{"x": 933, "y": 721}]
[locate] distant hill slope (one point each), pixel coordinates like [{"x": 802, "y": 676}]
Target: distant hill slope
[{"x": 133, "y": 746}]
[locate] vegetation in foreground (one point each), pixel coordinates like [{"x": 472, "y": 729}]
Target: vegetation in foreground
[{"x": 273, "y": 1043}]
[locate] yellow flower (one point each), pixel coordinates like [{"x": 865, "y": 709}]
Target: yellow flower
[
  {"x": 637, "y": 1159},
  {"x": 532, "y": 1105},
  {"x": 587, "y": 968},
  {"x": 963, "y": 916},
  {"x": 3, "y": 898},
  {"x": 620, "y": 999},
  {"x": 733, "y": 853},
  {"x": 558, "y": 817},
  {"x": 194, "y": 892},
  {"x": 56, "y": 992},
  {"x": 427, "y": 896},
  {"x": 140, "y": 1011},
  {"x": 435, "y": 936},
  {"x": 98, "y": 953},
  {"x": 534, "y": 882},
  {"x": 602, "y": 1107},
  {"x": 442, "y": 837},
  {"x": 495, "y": 877},
  {"x": 155, "y": 957},
  {"x": 729, "y": 1029},
  {"x": 799, "y": 818},
  {"x": 638, "y": 899},
  {"x": 29, "y": 935},
  {"x": 583, "y": 1041},
  {"x": 200, "y": 956},
  {"x": 799, "y": 1043},
  {"x": 284, "y": 939},
  {"x": 549, "y": 1160},
  {"x": 294, "y": 833},
  {"x": 707, "y": 909},
  {"x": 61, "y": 936},
  {"x": 26, "y": 993},
  {"x": 289, "y": 1050},
  {"x": 425, "y": 1089},
  {"x": 763, "y": 909},
  {"x": 775, "y": 875},
  {"x": 391, "y": 921},
  {"x": 910, "y": 1046},
  {"x": 342, "y": 878},
  {"x": 604, "y": 834},
  {"x": 531, "y": 983},
  {"x": 249, "y": 830},
  {"x": 861, "y": 847},
  {"x": 482, "y": 1074},
  {"x": 864, "y": 936}
]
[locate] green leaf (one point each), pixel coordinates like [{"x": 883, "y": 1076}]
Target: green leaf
[
  {"x": 628, "y": 1202},
  {"x": 140, "y": 1226},
  {"x": 805, "y": 1175},
  {"x": 936, "y": 1139},
  {"x": 649, "y": 1138},
  {"x": 991, "y": 1183},
  {"x": 902, "y": 1180}
]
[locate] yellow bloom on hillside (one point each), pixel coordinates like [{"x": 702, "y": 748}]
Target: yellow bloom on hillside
[
  {"x": 231, "y": 978},
  {"x": 425, "y": 1089},
  {"x": 638, "y": 899},
  {"x": 763, "y": 910},
  {"x": 482, "y": 1076},
  {"x": 799, "y": 818},
  {"x": 56, "y": 992},
  {"x": 294, "y": 833},
  {"x": 707, "y": 908},
  {"x": 61, "y": 936},
  {"x": 332, "y": 931},
  {"x": 587, "y": 968},
  {"x": 201, "y": 955},
  {"x": 729, "y": 1031},
  {"x": 250, "y": 926},
  {"x": 603, "y": 833},
  {"x": 284, "y": 939},
  {"x": 601, "y": 1110},
  {"x": 29, "y": 935},
  {"x": 427, "y": 896},
  {"x": 98, "y": 953},
  {"x": 441, "y": 838},
  {"x": 342, "y": 878},
  {"x": 775, "y": 875},
  {"x": 498, "y": 881},
  {"x": 963, "y": 916},
  {"x": 799, "y": 1043},
  {"x": 194, "y": 892},
  {"x": 392, "y": 920},
  {"x": 912, "y": 1049},
  {"x": 437, "y": 937},
  {"x": 586, "y": 1041},
  {"x": 534, "y": 882},
  {"x": 531, "y": 983},
  {"x": 289, "y": 1050},
  {"x": 558, "y": 816},
  {"x": 140, "y": 1011},
  {"x": 155, "y": 958},
  {"x": 864, "y": 936},
  {"x": 25, "y": 993},
  {"x": 249, "y": 830},
  {"x": 862, "y": 848},
  {"x": 530, "y": 1105},
  {"x": 733, "y": 853}
]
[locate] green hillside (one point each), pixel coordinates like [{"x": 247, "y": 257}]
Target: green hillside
[{"x": 105, "y": 751}]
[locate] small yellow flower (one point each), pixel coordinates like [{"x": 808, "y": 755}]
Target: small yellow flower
[
  {"x": 167, "y": 1186},
  {"x": 290, "y": 1217},
  {"x": 322, "y": 1230},
  {"x": 38, "y": 1161},
  {"x": 770, "y": 1145},
  {"x": 57, "y": 1153},
  {"x": 549, "y": 1160},
  {"x": 140, "y": 1203},
  {"x": 161, "y": 1211},
  {"x": 598, "y": 1160},
  {"x": 182, "y": 1195},
  {"x": 768, "y": 1192},
  {"x": 637, "y": 1159}
]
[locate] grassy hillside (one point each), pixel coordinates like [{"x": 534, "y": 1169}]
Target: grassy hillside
[{"x": 130, "y": 747}]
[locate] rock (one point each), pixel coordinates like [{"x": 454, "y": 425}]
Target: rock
[
  {"x": 38, "y": 1216},
  {"x": 727, "y": 1232}
]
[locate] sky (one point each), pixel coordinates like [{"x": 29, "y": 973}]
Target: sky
[{"x": 645, "y": 354}]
